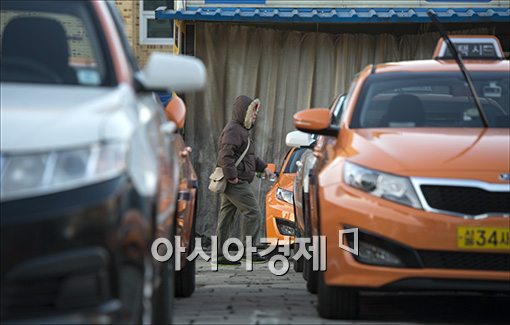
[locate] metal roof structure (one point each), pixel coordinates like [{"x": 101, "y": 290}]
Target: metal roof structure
[{"x": 336, "y": 15}]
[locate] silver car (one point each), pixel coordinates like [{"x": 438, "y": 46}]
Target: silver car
[{"x": 88, "y": 168}]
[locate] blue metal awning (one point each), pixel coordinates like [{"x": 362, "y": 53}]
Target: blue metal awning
[{"x": 336, "y": 15}]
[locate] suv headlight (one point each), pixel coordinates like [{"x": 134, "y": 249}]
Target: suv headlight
[
  {"x": 285, "y": 195},
  {"x": 42, "y": 173},
  {"x": 390, "y": 187}
]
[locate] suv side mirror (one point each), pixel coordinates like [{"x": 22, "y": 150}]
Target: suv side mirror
[
  {"x": 316, "y": 121},
  {"x": 173, "y": 72},
  {"x": 298, "y": 139}
]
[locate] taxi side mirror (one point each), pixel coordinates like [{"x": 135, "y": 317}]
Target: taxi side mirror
[
  {"x": 298, "y": 139},
  {"x": 315, "y": 121},
  {"x": 175, "y": 111}
]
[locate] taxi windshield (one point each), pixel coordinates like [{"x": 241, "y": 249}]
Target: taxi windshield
[{"x": 432, "y": 99}]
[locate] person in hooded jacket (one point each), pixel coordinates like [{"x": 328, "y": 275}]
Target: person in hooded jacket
[{"x": 238, "y": 195}]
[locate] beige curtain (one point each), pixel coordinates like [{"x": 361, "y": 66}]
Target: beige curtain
[{"x": 289, "y": 71}]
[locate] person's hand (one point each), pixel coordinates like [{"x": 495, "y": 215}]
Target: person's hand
[
  {"x": 268, "y": 174},
  {"x": 234, "y": 181}
]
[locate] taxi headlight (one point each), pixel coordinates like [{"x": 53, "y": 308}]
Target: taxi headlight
[
  {"x": 284, "y": 195},
  {"x": 390, "y": 187},
  {"x": 25, "y": 175}
]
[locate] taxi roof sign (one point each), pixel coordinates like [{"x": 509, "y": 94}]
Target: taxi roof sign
[{"x": 471, "y": 48}]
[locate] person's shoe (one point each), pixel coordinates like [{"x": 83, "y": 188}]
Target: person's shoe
[{"x": 222, "y": 260}]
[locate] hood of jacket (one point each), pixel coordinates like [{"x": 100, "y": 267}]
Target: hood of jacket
[{"x": 243, "y": 108}]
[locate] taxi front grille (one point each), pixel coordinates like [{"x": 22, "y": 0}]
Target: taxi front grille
[
  {"x": 465, "y": 261},
  {"x": 466, "y": 200}
]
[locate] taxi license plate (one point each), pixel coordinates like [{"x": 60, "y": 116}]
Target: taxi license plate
[{"x": 483, "y": 238}]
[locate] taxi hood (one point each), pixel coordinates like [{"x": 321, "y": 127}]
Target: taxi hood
[{"x": 469, "y": 153}]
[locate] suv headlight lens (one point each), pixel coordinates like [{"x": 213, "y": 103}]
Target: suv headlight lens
[
  {"x": 390, "y": 187},
  {"x": 42, "y": 173},
  {"x": 285, "y": 195}
]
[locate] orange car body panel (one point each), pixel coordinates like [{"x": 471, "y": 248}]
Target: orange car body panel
[
  {"x": 414, "y": 228},
  {"x": 186, "y": 202},
  {"x": 175, "y": 111},
  {"x": 276, "y": 208},
  {"x": 312, "y": 119},
  {"x": 459, "y": 153}
]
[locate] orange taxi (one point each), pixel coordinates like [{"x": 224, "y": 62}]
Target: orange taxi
[
  {"x": 412, "y": 188},
  {"x": 280, "y": 221},
  {"x": 175, "y": 111}
]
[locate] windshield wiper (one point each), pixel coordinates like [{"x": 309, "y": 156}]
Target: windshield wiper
[{"x": 461, "y": 65}]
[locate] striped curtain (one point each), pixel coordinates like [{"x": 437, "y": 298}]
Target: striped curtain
[{"x": 289, "y": 71}]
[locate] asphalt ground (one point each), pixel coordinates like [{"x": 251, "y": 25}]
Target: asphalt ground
[{"x": 234, "y": 296}]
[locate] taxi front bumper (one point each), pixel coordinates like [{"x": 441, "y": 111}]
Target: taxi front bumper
[{"x": 421, "y": 247}]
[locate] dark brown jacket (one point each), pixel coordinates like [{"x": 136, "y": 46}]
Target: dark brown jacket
[{"x": 232, "y": 143}]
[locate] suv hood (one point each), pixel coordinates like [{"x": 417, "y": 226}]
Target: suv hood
[
  {"x": 432, "y": 152},
  {"x": 49, "y": 117}
]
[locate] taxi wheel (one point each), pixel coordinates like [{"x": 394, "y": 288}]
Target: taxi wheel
[
  {"x": 311, "y": 276},
  {"x": 131, "y": 283},
  {"x": 185, "y": 280},
  {"x": 337, "y": 302},
  {"x": 163, "y": 301},
  {"x": 298, "y": 264}
]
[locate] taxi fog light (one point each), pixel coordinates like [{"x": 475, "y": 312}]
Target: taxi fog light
[
  {"x": 390, "y": 187},
  {"x": 370, "y": 254},
  {"x": 285, "y": 227},
  {"x": 285, "y": 195}
]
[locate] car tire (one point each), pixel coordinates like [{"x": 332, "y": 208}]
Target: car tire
[
  {"x": 298, "y": 265},
  {"x": 308, "y": 273},
  {"x": 311, "y": 276},
  {"x": 131, "y": 283},
  {"x": 185, "y": 278},
  {"x": 163, "y": 297},
  {"x": 337, "y": 302}
]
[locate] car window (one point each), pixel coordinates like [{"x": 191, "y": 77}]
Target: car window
[
  {"x": 338, "y": 109},
  {"x": 293, "y": 159},
  {"x": 432, "y": 99},
  {"x": 52, "y": 42}
]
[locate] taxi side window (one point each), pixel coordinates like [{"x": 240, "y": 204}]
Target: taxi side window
[
  {"x": 294, "y": 158},
  {"x": 338, "y": 109},
  {"x": 343, "y": 101}
]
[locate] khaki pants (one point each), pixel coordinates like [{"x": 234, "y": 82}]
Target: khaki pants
[{"x": 238, "y": 196}]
